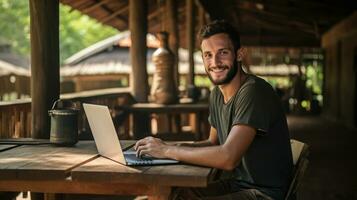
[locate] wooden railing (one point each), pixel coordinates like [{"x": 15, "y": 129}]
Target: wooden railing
[
  {"x": 15, "y": 116},
  {"x": 15, "y": 119}
]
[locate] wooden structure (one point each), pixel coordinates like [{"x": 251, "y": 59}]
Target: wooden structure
[
  {"x": 13, "y": 79},
  {"x": 79, "y": 170},
  {"x": 106, "y": 64},
  {"x": 261, "y": 23},
  {"x": 16, "y": 116},
  {"x": 340, "y": 92},
  {"x": 199, "y": 128},
  {"x": 14, "y": 75}
]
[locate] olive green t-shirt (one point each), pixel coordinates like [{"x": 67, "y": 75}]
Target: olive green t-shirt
[{"x": 267, "y": 164}]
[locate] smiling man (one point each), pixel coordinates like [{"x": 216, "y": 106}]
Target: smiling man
[{"x": 249, "y": 135}]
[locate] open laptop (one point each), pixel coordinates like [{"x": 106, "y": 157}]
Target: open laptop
[{"x": 107, "y": 141}]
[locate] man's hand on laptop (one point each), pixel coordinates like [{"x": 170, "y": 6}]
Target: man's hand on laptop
[{"x": 151, "y": 146}]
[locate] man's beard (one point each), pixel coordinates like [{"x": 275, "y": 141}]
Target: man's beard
[{"x": 230, "y": 75}]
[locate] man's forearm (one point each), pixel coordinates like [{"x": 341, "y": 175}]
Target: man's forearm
[
  {"x": 203, "y": 143},
  {"x": 211, "y": 156}
]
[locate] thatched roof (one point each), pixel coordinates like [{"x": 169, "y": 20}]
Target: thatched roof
[
  {"x": 12, "y": 63},
  {"x": 112, "y": 56},
  {"x": 8, "y": 68}
]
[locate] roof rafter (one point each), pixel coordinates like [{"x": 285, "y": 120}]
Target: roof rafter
[
  {"x": 94, "y": 6},
  {"x": 116, "y": 14}
]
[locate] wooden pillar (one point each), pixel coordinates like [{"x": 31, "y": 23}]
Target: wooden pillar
[
  {"x": 139, "y": 76},
  {"x": 190, "y": 28},
  {"x": 45, "y": 86},
  {"x": 172, "y": 29},
  {"x": 201, "y": 14},
  {"x": 138, "y": 49}
]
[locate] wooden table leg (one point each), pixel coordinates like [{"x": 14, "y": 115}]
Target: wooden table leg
[{"x": 163, "y": 193}]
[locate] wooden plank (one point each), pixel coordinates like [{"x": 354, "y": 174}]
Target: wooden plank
[
  {"x": 24, "y": 141},
  {"x": 4, "y": 147},
  {"x": 102, "y": 169},
  {"x": 115, "y": 14},
  {"x": 44, "y": 161},
  {"x": 75, "y": 187},
  {"x": 179, "y": 175},
  {"x": 95, "y": 6}
]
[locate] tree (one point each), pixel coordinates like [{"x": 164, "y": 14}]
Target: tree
[
  {"x": 77, "y": 31},
  {"x": 15, "y": 25}
]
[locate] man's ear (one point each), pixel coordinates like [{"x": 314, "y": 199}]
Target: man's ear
[{"x": 241, "y": 52}]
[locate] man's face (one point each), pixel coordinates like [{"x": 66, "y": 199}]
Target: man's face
[{"x": 219, "y": 58}]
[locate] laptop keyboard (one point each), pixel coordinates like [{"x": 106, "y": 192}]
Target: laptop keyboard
[{"x": 132, "y": 159}]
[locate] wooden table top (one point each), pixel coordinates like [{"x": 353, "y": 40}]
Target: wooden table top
[{"x": 82, "y": 163}]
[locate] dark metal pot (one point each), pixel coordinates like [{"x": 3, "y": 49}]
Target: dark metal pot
[{"x": 64, "y": 123}]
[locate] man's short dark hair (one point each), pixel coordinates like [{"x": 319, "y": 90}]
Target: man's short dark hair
[{"x": 220, "y": 26}]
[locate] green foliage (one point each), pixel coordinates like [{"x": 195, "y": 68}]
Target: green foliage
[
  {"x": 314, "y": 78},
  {"x": 15, "y": 25},
  {"x": 77, "y": 31}
]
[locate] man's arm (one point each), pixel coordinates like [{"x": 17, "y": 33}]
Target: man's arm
[{"x": 226, "y": 156}]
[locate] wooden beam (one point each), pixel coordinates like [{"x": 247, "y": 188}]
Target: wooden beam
[
  {"x": 278, "y": 17},
  {"x": 172, "y": 29},
  {"x": 190, "y": 28},
  {"x": 299, "y": 10},
  {"x": 45, "y": 85},
  {"x": 303, "y": 5},
  {"x": 201, "y": 15},
  {"x": 115, "y": 14},
  {"x": 290, "y": 40},
  {"x": 95, "y": 6},
  {"x": 278, "y": 25},
  {"x": 138, "y": 50},
  {"x": 156, "y": 13}
]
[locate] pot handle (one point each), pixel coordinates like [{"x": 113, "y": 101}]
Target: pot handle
[{"x": 60, "y": 103}]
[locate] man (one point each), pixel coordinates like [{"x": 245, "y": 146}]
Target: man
[{"x": 249, "y": 134}]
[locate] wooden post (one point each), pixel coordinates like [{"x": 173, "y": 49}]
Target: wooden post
[
  {"x": 190, "y": 28},
  {"x": 172, "y": 29},
  {"x": 201, "y": 15},
  {"x": 138, "y": 50},
  {"x": 45, "y": 87}
]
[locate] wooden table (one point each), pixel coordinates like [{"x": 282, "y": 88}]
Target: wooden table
[
  {"x": 200, "y": 110},
  {"x": 80, "y": 170}
]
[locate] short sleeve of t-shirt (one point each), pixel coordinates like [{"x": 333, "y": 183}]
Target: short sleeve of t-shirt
[
  {"x": 254, "y": 105},
  {"x": 211, "y": 109}
]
